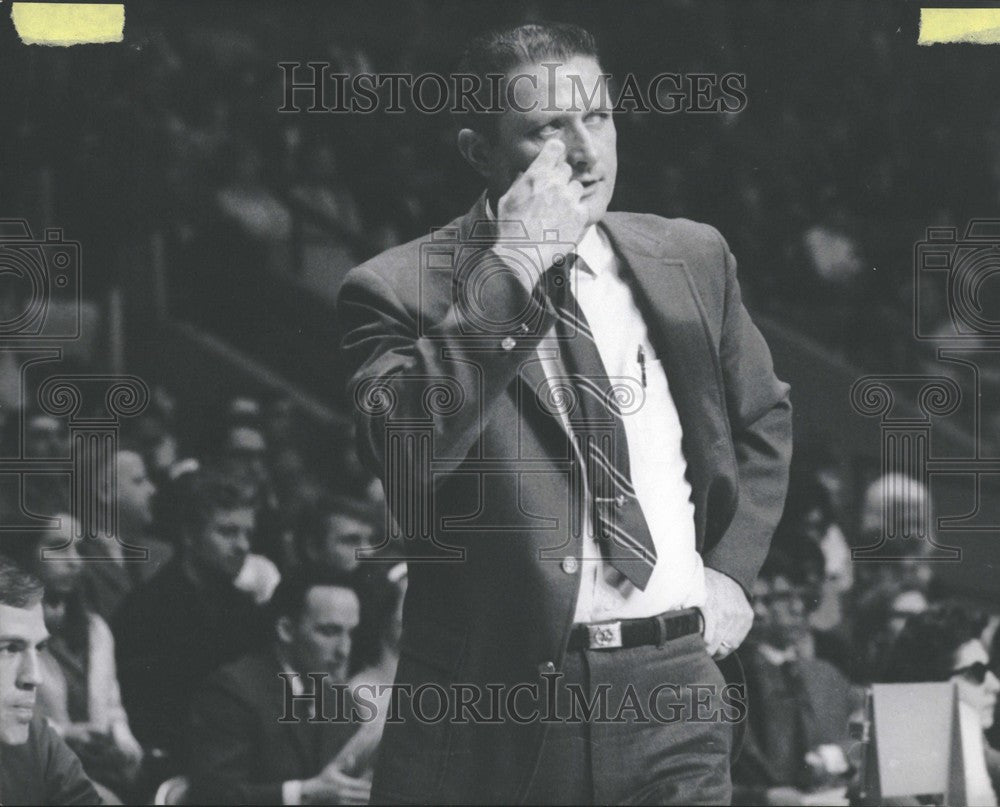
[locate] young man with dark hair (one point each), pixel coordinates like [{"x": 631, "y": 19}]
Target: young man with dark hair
[
  {"x": 334, "y": 530},
  {"x": 580, "y": 516},
  {"x": 189, "y": 619},
  {"x": 36, "y": 766},
  {"x": 242, "y": 749}
]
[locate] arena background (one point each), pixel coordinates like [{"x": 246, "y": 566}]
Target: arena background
[{"x": 215, "y": 230}]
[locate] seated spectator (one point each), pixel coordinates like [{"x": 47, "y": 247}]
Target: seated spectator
[
  {"x": 259, "y": 575},
  {"x": 806, "y": 563},
  {"x": 116, "y": 567},
  {"x": 154, "y": 434},
  {"x": 333, "y": 533},
  {"x": 244, "y": 457},
  {"x": 189, "y": 619},
  {"x": 45, "y": 438},
  {"x": 799, "y": 706},
  {"x": 944, "y": 643},
  {"x": 36, "y": 765},
  {"x": 879, "y": 615},
  {"x": 242, "y": 749},
  {"x": 79, "y": 693},
  {"x": 908, "y": 505}
]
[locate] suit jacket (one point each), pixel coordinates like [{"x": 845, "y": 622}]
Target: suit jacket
[
  {"x": 455, "y": 416},
  {"x": 43, "y": 771},
  {"x": 239, "y": 752}
]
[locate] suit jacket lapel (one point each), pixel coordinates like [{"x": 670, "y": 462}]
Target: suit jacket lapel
[
  {"x": 666, "y": 294},
  {"x": 298, "y": 733}
]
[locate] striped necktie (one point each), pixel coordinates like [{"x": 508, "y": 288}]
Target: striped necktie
[{"x": 599, "y": 433}]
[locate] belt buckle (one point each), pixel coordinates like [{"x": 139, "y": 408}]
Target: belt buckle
[{"x": 605, "y": 636}]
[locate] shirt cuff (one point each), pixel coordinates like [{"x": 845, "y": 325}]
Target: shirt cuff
[{"x": 291, "y": 792}]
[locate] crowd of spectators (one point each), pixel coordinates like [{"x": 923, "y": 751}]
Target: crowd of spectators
[
  {"x": 258, "y": 564},
  {"x": 852, "y": 143},
  {"x": 244, "y": 547},
  {"x": 822, "y": 185}
]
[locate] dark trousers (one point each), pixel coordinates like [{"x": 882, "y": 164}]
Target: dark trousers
[{"x": 664, "y": 736}]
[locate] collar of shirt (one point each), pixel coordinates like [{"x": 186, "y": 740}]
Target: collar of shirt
[
  {"x": 294, "y": 678},
  {"x": 775, "y": 656},
  {"x": 593, "y": 247}
]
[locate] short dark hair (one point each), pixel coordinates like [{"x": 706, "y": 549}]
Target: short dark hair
[
  {"x": 313, "y": 523},
  {"x": 500, "y": 50},
  {"x": 18, "y": 587},
  {"x": 289, "y": 598},
  {"x": 925, "y": 648},
  {"x": 206, "y": 491}
]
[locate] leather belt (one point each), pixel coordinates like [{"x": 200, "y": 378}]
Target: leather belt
[{"x": 654, "y": 630}]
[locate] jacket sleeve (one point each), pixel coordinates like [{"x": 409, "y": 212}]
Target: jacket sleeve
[
  {"x": 760, "y": 417},
  {"x": 444, "y": 374}
]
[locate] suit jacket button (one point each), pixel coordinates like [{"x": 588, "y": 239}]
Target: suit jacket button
[
  {"x": 546, "y": 667},
  {"x": 570, "y": 564},
  {"x": 508, "y": 343}
]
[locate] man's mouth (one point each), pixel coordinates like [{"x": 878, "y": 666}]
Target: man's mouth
[
  {"x": 23, "y": 711},
  {"x": 588, "y": 185}
]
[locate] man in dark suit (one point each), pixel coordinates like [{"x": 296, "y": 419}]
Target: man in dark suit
[
  {"x": 36, "y": 766},
  {"x": 799, "y": 705},
  {"x": 189, "y": 619},
  {"x": 247, "y": 745},
  {"x": 581, "y": 435}
]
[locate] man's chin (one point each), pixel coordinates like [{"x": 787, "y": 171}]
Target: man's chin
[{"x": 596, "y": 210}]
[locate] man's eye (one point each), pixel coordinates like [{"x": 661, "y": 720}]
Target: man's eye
[
  {"x": 8, "y": 649},
  {"x": 598, "y": 118},
  {"x": 548, "y": 130}
]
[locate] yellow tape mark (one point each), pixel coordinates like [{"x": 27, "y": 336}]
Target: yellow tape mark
[
  {"x": 68, "y": 23},
  {"x": 977, "y": 25}
]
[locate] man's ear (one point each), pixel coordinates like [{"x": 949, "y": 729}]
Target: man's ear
[
  {"x": 285, "y": 629},
  {"x": 475, "y": 149}
]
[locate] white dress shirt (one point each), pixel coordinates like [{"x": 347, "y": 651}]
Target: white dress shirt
[{"x": 653, "y": 430}]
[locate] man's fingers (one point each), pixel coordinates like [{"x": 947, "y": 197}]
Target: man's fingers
[{"x": 550, "y": 156}]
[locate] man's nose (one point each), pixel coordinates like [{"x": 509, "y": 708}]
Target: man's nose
[
  {"x": 29, "y": 675},
  {"x": 580, "y": 151},
  {"x": 344, "y": 648},
  {"x": 243, "y": 541}
]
